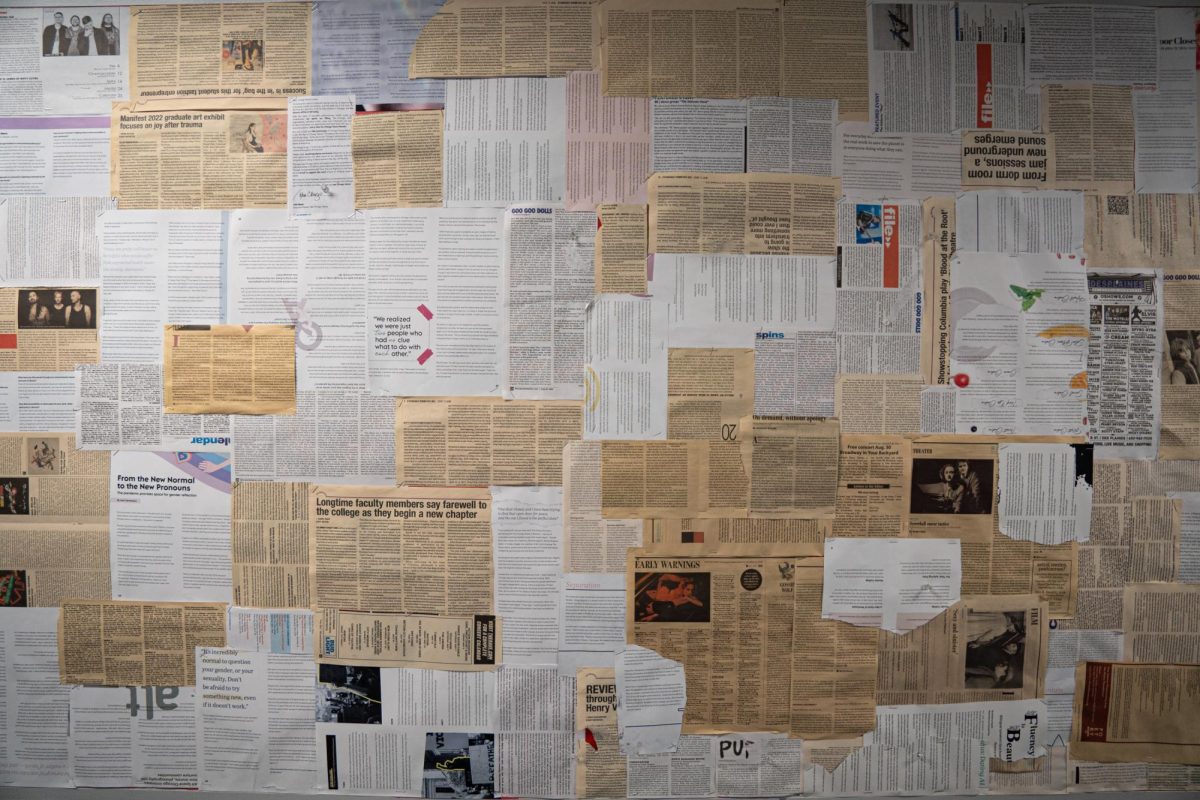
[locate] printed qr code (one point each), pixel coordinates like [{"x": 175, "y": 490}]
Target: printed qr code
[{"x": 1118, "y": 204}]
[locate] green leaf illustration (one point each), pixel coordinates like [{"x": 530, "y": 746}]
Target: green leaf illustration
[{"x": 1028, "y": 296}]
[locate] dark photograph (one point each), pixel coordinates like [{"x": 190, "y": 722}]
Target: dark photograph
[
  {"x": 459, "y": 765},
  {"x": 80, "y": 32},
  {"x": 1179, "y": 366},
  {"x": 950, "y": 486},
  {"x": 14, "y": 589},
  {"x": 242, "y": 55},
  {"x": 995, "y": 649},
  {"x": 56, "y": 308},
  {"x": 14, "y": 496},
  {"x": 672, "y": 597},
  {"x": 349, "y": 694}
]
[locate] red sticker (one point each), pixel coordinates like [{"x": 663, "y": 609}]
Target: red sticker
[
  {"x": 428, "y": 354},
  {"x": 425, "y": 312},
  {"x": 962, "y": 380},
  {"x": 590, "y": 738}
]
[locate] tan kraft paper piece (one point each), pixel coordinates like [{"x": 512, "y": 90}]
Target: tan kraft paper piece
[
  {"x": 497, "y": 38},
  {"x": 981, "y": 648},
  {"x": 725, "y": 614},
  {"x": 241, "y": 163},
  {"x": 1136, "y": 712},
  {"x": 131, "y": 643},
  {"x": 621, "y": 249},
  {"x": 229, "y": 369},
  {"x": 397, "y": 159},
  {"x": 56, "y": 562},
  {"x": 39, "y": 338},
  {"x": 703, "y": 48},
  {"x": 483, "y": 441},
  {"x": 269, "y": 536},
  {"x": 48, "y": 481},
  {"x": 361, "y": 638},
  {"x": 753, "y": 213},
  {"x": 404, "y": 551},
  {"x": 1154, "y": 231},
  {"x": 223, "y": 55}
]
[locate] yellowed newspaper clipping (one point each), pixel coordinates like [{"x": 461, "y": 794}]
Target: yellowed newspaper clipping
[
  {"x": 600, "y": 769},
  {"x": 483, "y": 441},
  {"x": 495, "y": 38},
  {"x": 621, "y": 249},
  {"x": 397, "y": 159},
  {"x": 237, "y": 159},
  {"x": 130, "y": 643},
  {"x": 466, "y": 643},
  {"x": 47, "y": 564},
  {"x": 229, "y": 369},
  {"x": 220, "y": 55},
  {"x": 752, "y": 213},
  {"x": 44, "y": 479},
  {"x": 982, "y": 648},
  {"x": 269, "y": 536},
  {"x": 726, "y": 615},
  {"x": 404, "y": 551}
]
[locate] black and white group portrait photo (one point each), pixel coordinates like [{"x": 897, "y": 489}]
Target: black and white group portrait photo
[
  {"x": 73, "y": 31},
  {"x": 56, "y": 308},
  {"x": 951, "y": 486}
]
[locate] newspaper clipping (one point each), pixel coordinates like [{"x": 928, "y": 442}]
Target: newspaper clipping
[
  {"x": 242, "y": 158},
  {"x": 127, "y": 643},
  {"x": 48, "y": 329},
  {"x": 229, "y": 369},
  {"x": 404, "y": 551},
  {"x": 460, "y": 643},
  {"x": 223, "y": 55}
]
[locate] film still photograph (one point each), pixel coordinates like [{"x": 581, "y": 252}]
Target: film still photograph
[
  {"x": 672, "y": 597},
  {"x": 951, "y": 486},
  {"x": 1179, "y": 365},
  {"x": 995, "y": 650},
  {"x": 349, "y": 694}
]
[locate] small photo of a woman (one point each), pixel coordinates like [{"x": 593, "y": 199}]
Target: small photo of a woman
[{"x": 1179, "y": 368}]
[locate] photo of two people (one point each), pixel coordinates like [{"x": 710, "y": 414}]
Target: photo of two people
[{"x": 951, "y": 486}]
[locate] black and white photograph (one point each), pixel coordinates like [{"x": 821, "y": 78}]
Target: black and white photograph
[
  {"x": 73, "y": 31},
  {"x": 995, "y": 650},
  {"x": 1179, "y": 363},
  {"x": 893, "y": 26},
  {"x": 45, "y": 455},
  {"x": 459, "y": 765},
  {"x": 349, "y": 694},
  {"x": 951, "y": 486},
  {"x": 56, "y": 307}
]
